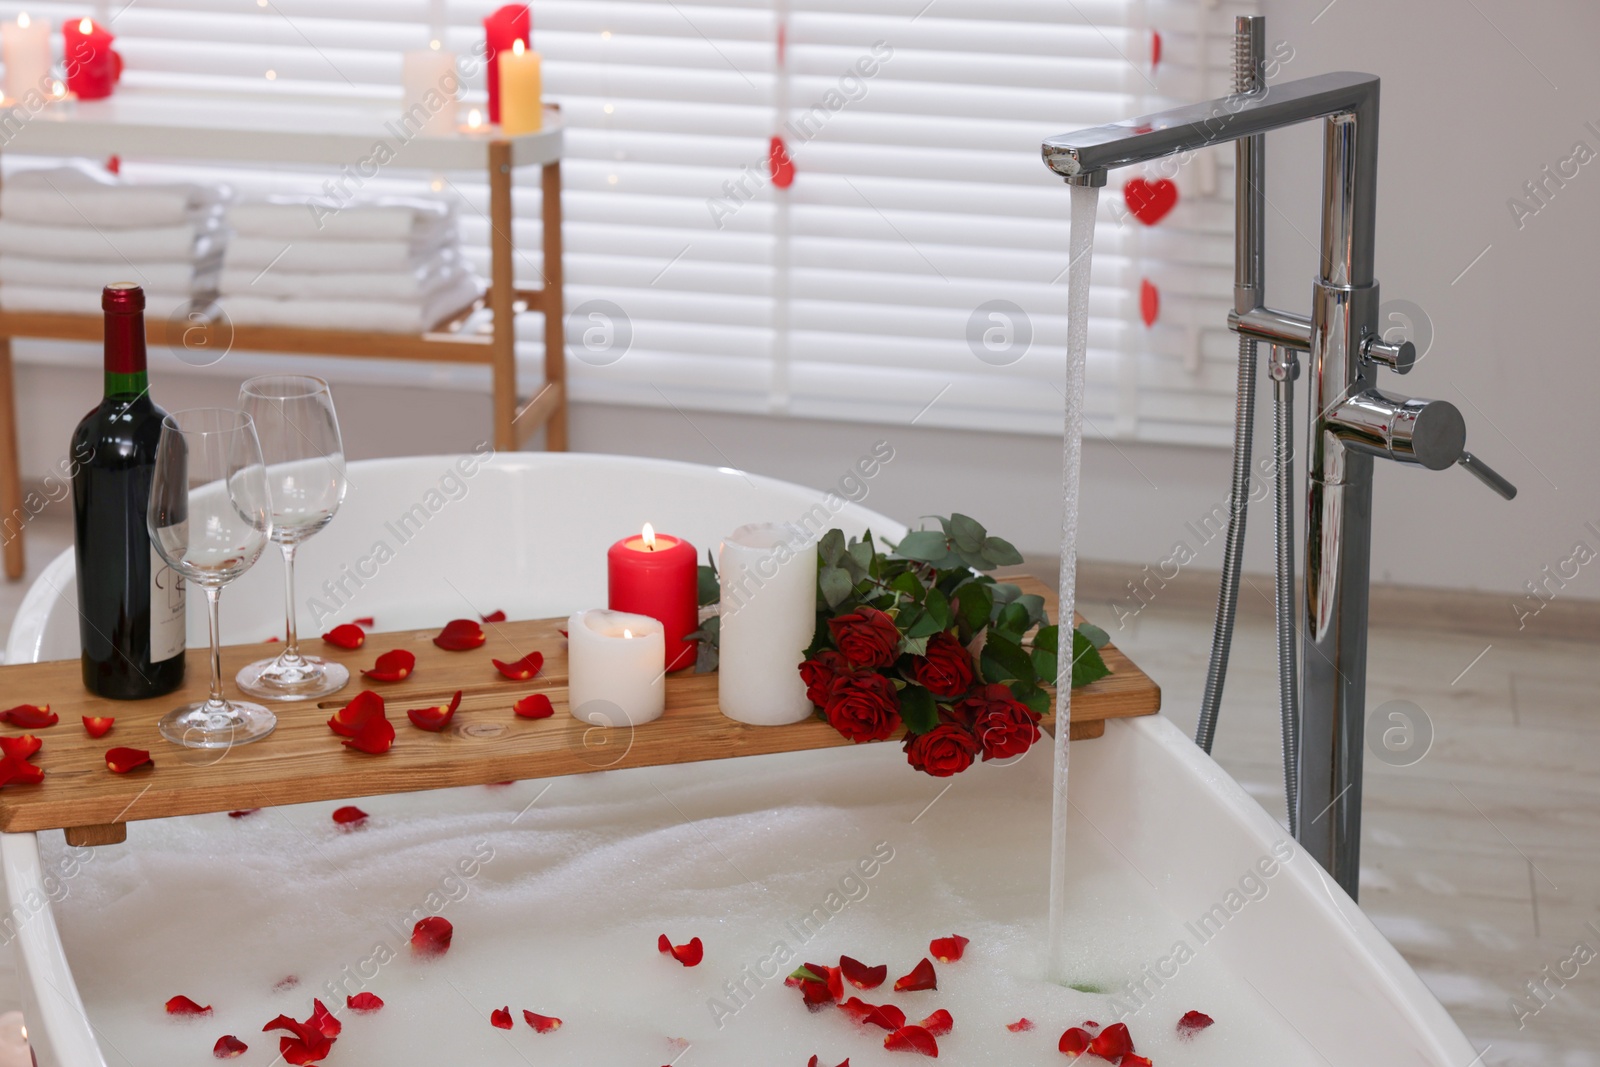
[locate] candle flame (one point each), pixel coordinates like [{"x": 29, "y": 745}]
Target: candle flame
[
  {"x": 474, "y": 118},
  {"x": 57, "y": 89},
  {"x": 626, "y": 632},
  {"x": 649, "y": 536},
  {"x": 86, "y": 26},
  {"x": 517, "y": 47},
  {"x": 24, "y": 21}
]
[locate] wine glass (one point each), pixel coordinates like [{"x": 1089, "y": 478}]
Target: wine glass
[
  {"x": 300, "y": 441},
  {"x": 210, "y": 518}
]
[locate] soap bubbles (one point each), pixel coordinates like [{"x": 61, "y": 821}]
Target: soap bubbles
[{"x": 1399, "y": 733}]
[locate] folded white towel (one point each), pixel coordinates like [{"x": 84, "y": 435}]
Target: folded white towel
[
  {"x": 86, "y": 194},
  {"x": 392, "y": 218},
  {"x": 183, "y": 242},
  {"x": 92, "y": 276},
  {"x": 415, "y": 284},
  {"x": 302, "y": 256},
  {"x": 157, "y": 305},
  {"x": 377, "y": 316}
]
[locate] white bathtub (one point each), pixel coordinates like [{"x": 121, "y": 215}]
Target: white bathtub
[{"x": 1150, "y": 807}]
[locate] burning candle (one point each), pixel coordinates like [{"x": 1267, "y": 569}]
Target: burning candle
[
  {"x": 521, "y": 91},
  {"x": 511, "y": 23},
  {"x": 429, "y": 84},
  {"x": 26, "y": 46},
  {"x": 616, "y": 672},
  {"x": 655, "y": 575},
  {"x": 93, "y": 67},
  {"x": 769, "y": 612},
  {"x": 14, "y": 1050}
]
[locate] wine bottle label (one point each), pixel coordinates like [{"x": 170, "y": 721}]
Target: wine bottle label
[{"x": 168, "y": 618}]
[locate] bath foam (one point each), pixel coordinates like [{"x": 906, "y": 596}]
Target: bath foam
[{"x": 559, "y": 889}]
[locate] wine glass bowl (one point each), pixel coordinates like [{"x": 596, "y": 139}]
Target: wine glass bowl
[
  {"x": 300, "y": 441},
  {"x": 210, "y": 518}
]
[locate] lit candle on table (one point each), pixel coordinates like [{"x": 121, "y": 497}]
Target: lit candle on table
[
  {"x": 26, "y": 45},
  {"x": 429, "y": 84},
  {"x": 769, "y": 612},
  {"x": 656, "y": 575},
  {"x": 615, "y": 668},
  {"x": 521, "y": 92},
  {"x": 501, "y": 31},
  {"x": 14, "y": 1051},
  {"x": 93, "y": 68}
]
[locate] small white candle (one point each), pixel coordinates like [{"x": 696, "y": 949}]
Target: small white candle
[
  {"x": 430, "y": 86},
  {"x": 616, "y": 668},
  {"x": 769, "y": 610},
  {"x": 14, "y": 1051},
  {"x": 25, "y": 44}
]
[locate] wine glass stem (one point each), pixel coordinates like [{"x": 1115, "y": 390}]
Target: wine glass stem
[
  {"x": 213, "y": 615},
  {"x": 291, "y": 640}
]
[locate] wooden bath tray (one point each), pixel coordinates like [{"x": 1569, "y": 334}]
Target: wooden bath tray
[{"x": 304, "y": 761}]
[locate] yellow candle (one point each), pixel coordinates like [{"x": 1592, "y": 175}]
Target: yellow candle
[{"x": 521, "y": 91}]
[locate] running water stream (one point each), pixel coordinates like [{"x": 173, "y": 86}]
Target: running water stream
[{"x": 1085, "y": 199}]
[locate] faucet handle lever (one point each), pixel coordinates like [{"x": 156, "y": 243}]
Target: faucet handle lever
[
  {"x": 1398, "y": 356},
  {"x": 1487, "y": 475}
]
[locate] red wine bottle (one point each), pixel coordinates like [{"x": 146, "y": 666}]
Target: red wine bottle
[{"x": 130, "y": 603}]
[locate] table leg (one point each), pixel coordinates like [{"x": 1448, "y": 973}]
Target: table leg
[
  {"x": 502, "y": 295},
  {"x": 555, "y": 340},
  {"x": 10, "y": 468}
]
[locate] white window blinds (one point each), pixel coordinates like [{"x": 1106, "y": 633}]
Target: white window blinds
[{"x": 916, "y": 265}]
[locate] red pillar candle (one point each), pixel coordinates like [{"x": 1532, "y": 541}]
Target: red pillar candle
[
  {"x": 92, "y": 67},
  {"x": 657, "y": 575},
  {"x": 501, "y": 30}
]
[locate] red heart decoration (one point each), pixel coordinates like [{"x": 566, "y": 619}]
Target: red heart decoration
[
  {"x": 1150, "y": 201},
  {"x": 779, "y": 166},
  {"x": 1149, "y": 302},
  {"x": 1155, "y": 49}
]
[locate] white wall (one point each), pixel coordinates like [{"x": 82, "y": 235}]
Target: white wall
[{"x": 1466, "y": 120}]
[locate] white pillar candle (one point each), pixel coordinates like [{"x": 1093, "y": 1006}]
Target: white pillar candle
[
  {"x": 430, "y": 84},
  {"x": 26, "y": 47},
  {"x": 769, "y": 610},
  {"x": 616, "y": 668}
]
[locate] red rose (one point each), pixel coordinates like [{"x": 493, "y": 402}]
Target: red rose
[
  {"x": 944, "y": 750},
  {"x": 1004, "y": 726},
  {"x": 867, "y": 637},
  {"x": 946, "y": 670},
  {"x": 819, "y": 672},
  {"x": 863, "y": 707}
]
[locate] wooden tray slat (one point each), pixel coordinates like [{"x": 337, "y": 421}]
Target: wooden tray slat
[{"x": 303, "y": 761}]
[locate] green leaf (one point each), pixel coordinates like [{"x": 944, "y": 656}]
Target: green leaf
[
  {"x": 1034, "y": 605},
  {"x": 1014, "y": 619},
  {"x": 1087, "y": 666},
  {"x": 805, "y": 975},
  {"x": 708, "y": 588},
  {"x": 1045, "y": 664},
  {"x": 918, "y": 709},
  {"x": 1082, "y": 987},
  {"x": 971, "y": 559},
  {"x": 913, "y": 646},
  {"x": 966, "y": 532},
  {"x": 1000, "y": 552},
  {"x": 1097, "y": 637},
  {"x": 835, "y": 586},
  {"x": 1034, "y": 697},
  {"x": 907, "y": 583},
  {"x": 1048, "y": 638},
  {"x": 924, "y": 625},
  {"x": 1003, "y": 660},
  {"x": 707, "y": 639},
  {"x": 927, "y": 546},
  {"x": 1004, "y": 593},
  {"x": 938, "y": 606},
  {"x": 854, "y": 568},
  {"x": 831, "y": 547},
  {"x": 861, "y": 553},
  {"x": 975, "y": 601}
]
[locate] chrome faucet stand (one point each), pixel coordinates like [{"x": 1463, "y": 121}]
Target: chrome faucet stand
[{"x": 1351, "y": 421}]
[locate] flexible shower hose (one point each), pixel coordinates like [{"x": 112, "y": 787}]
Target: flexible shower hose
[{"x": 1283, "y": 538}]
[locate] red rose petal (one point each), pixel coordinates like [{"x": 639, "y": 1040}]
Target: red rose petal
[
  {"x": 1075, "y": 1042},
  {"x": 364, "y": 1002},
  {"x": 346, "y": 636},
  {"x": 501, "y": 1017},
  {"x": 1132, "y": 1060},
  {"x": 544, "y": 1024},
  {"x": 948, "y": 949},
  {"x": 30, "y": 717},
  {"x": 394, "y": 666},
  {"x": 1020, "y": 1025},
  {"x": 312, "y": 1040},
  {"x": 939, "y": 1023},
  {"x": 494, "y": 616},
  {"x": 523, "y": 669},
  {"x": 243, "y": 813},
  {"x": 461, "y": 635},
  {"x": 20, "y": 771},
  {"x": 885, "y": 1015},
  {"x": 366, "y": 704},
  {"x": 431, "y": 936},
  {"x": 123, "y": 760},
  {"x": 287, "y": 982},
  {"x": 228, "y": 1046},
  {"x": 860, "y": 975},
  {"x": 323, "y": 1020},
  {"x": 20, "y": 747},
  {"x": 689, "y": 955},
  {"x": 98, "y": 726},
  {"x": 1192, "y": 1023},
  {"x": 348, "y": 814},
  {"x": 367, "y": 622},
  {"x": 912, "y": 1039},
  {"x": 181, "y": 1005},
  {"x": 832, "y": 977},
  {"x": 374, "y": 736},
  {"x": 537, "y": 706},
  {"x": 921, "y": 977},
  {"x": 814, "y": 1062},
  {"x": 436, "y": 718},
  {"x": 1112, "y": 1042}
]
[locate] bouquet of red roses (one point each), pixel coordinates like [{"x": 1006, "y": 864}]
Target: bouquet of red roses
[{"x": 894, "y": 640}]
